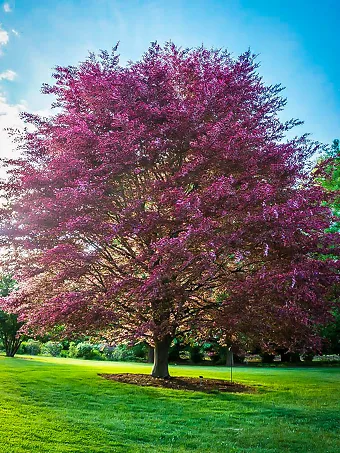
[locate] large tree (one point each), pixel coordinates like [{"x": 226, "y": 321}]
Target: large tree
[{"x": 163, "y": 198}]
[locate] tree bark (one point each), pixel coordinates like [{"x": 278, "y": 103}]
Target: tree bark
[
  {"x": 161, "y": 359},
  {"x": 12, "y": 346}
]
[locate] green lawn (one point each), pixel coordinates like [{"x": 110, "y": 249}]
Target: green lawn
[{"x": 61, "y": 405}]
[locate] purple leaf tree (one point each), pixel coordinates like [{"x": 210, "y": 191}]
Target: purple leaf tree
[{"x": 163, "y": 198}]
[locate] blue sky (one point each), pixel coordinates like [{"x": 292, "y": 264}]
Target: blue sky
[{"x": 297, "y": 41}]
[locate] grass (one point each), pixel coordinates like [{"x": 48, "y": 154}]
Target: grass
[{"x": 62, "y": 405}]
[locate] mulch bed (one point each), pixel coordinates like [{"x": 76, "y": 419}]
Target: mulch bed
[{"x": 180, "y": 383}]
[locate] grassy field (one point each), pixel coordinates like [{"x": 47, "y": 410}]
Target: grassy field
[{"x": 62, "y": 405}]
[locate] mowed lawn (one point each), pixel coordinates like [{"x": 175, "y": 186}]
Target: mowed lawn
[{"x": 62, "y": 405}]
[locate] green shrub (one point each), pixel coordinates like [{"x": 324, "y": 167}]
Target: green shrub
[
  {"x": 89, "y": 351},
  {"x": 85, "y": 351},
  {"x": 140, "y": 350},
  {"x": 72, "y": 350},
  {"x": 31, "y": 347},
  {"x": 175, "y": 350},
  {"x": 123, "y": 353},
  {"x": 107, "y": 351},
  {"x": 52, "y": 348}
]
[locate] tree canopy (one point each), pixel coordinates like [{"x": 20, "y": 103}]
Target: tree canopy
[{"x": 163, "y": 197}]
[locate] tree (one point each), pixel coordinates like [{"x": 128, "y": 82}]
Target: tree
[
  {"x": 9, "y": 325},
  {"x": 162, "y": 198},
  {"x": 331, "y": 335},
  {"x": 328, "y": 173}
]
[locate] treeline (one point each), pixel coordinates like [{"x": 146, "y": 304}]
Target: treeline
[{"x": 206, "y": 353}]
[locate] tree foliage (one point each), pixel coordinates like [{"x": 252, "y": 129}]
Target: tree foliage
[
  {"x": 163, "y": 198},
  {"x": 329, "y": 175},
  {"x": 9, "y": 324}
]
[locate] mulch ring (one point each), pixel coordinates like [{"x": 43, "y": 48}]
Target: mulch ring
[{"x": 180, "y": 383}]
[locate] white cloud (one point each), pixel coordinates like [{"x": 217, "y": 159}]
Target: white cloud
[
  {"x": 7, "y": 8},
  {"x": 8, "y": 75},
  {"x": 9, "y": 118},
  {"x": 15, "y": 32},
  {"x": 4, "y": 38}
]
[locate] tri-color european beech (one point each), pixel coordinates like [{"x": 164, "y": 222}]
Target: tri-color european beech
[{"x": 162, "y": 197}]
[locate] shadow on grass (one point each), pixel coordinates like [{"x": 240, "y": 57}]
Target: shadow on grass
[{"x": 127, "y": 417}]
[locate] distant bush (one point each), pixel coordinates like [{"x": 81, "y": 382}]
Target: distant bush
[
  {"x": 308, "y": 356},
  {"x": 107, "y": 351},
  {"x": 196, "y": 355},
  {"x": 140, "y": 351},
  {"x": 85, "y": 351},
  {"x": 52, "y": 348},
  {"x": 72, "y": 350},
  {"x": 267, "y": 358},
  {"x": 124, "y": 353},
  {"x": 31, "y": 347},
  {"x": 327, "y": 358},
  {"x": 175, "y": 350}
]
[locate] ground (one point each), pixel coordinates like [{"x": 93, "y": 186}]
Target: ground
[
  {"x": 51, "y": 405},
  {"x": 179, "y": 383}
]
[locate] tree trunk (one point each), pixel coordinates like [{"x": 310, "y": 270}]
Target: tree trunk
[
  {"x": 12, "y": 346},
  {"x": 161, "y": 359}
]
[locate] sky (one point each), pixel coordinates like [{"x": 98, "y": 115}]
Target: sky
[{"x": 297, "y": 43}]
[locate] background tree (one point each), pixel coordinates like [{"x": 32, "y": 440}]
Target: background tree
[
  {"x": 163, "y": 199},
  {"x": 9, "y": 324},
  {"x": 331, "y": 335},
  {"x": 328, "y": 173}
]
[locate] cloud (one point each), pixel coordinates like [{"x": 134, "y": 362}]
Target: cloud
[
  {"x": 4, "y": 38},
  {"x": 8, "y": 75},
  {"x": 7, "y": 8},
  {"x": 15, "y": 32},
  {"x": 9, "y": 118}
]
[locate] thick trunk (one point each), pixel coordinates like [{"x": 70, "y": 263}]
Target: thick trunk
[{"x": 161, "y": 358}]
